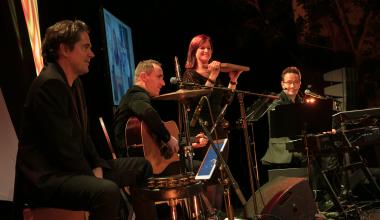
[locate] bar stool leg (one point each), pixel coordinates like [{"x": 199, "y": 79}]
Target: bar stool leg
[
  {"x": 173, "y": 209},
  {"x": 196, "y": 206},
  {"x": 186, "y": 206}
]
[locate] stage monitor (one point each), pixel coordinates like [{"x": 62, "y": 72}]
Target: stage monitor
[{"x": 119, "y": 53}]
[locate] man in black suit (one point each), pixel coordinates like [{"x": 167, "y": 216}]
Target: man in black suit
[{"x": 57, "y": 163}]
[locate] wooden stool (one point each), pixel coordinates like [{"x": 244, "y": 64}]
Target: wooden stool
[{"x": 53, "y": 214}]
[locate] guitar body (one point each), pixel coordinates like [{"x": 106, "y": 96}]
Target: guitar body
[{"x": 138, "y": 134}]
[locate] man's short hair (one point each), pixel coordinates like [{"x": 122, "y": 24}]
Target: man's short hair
[
  {"x": 66, "y": 32},
  {"x": 291, "y": 69},
  {"x": 145, "y": 66}
]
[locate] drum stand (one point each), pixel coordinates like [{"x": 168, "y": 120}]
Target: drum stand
[
  {"x": 187, "y": 154},
  {"x": 227, "y": 194},
  {"x": 253, "y": 168},
  {"x": 228, "y": 179},
  {"x": 185, "y": 146},
  {"x": 186, "y": 150}
]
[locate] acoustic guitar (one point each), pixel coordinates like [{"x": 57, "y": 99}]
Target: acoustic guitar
[{"x": 138, "y": 135}]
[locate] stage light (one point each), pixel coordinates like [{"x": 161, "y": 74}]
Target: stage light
[{"x": 310, "y": 100}]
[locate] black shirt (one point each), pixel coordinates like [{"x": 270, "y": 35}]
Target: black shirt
[{"x": 137, "y": 102}]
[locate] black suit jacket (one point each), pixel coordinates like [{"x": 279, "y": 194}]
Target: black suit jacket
[{"x": 54, "y": 143}]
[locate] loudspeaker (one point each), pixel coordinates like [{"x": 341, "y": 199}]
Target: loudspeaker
[
  {"x": 289, "y": 172},
  {"x": 283, "y": 198},
  {"x": 342, "y": 86},
  {"x": 371, "y": 214}
]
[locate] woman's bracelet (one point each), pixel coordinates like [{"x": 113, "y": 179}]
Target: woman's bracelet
[
  {"x": 233, "y": 83},
  {"x": 211, "y": 81}
]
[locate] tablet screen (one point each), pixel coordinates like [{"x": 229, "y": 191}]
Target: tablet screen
[{"x": 209, "y": 162}]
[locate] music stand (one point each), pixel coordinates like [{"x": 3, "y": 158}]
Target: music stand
[
  {"x": 354, "y": 117},
  {"x": 299, "y": 119},
  {"x": 258, "y": 109}
]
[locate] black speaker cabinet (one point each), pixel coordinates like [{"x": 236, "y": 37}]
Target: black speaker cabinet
[{"x": 283, "y": 198}]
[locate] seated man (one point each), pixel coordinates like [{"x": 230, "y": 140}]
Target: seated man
[
  {"x": 57, "y": 163},
  {"x": 276, "y": 154},
  {"x": 149, "y": 79}
]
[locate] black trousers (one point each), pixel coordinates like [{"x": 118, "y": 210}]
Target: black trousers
[{"x": 102, "y": 197}]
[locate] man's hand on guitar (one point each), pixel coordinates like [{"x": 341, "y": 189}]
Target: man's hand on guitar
[
  {"x": 201, "y": 140},
  {"x": 173, "y": 144}
]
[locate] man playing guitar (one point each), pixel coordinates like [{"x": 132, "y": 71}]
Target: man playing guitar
[{"x": 148, "y": 81}]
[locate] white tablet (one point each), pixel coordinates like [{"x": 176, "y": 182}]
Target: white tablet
[{"x": 209, "y": 162}]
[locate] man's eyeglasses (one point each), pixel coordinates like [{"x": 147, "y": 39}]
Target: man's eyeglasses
[{"x": 292, "y": 82}]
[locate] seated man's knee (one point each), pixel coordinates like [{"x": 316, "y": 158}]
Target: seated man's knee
[{"x": 109, "y": 191}]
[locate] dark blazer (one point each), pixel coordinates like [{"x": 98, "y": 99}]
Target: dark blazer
[
  {"x": 54, "y": 143},
  {"x": 276, "y": 152}
]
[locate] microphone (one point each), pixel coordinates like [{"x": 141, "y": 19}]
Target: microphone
[
  {"x": 312, "y": 94},
  {"x": 176, "y": 80},
  {"x": 197, "y": 112}
]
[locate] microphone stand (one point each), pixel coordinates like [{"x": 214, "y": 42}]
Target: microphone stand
[
  {"x": 186, "y": 150},
  {"x": 184, "y": 139},
  {"x": 252, "y": 163},
  {"x": 229, "y": 180},
  {"x": 251, "y": 167},
  {"x": 222, "y": 112}
]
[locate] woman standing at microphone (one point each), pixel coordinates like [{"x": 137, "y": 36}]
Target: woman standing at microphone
[{"x": 201, "y": 70}]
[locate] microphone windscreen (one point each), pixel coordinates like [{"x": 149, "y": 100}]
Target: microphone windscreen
[{"x": 174, "y": 80}]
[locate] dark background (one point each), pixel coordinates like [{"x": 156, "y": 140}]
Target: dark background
[{"x": 260, "y": 34}]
